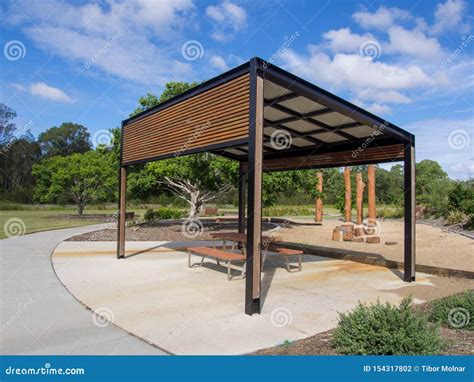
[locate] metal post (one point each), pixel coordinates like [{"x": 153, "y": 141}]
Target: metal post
[
  {"x": 409, "y": 221},
  {"x": 121, "y": 215},
  {"x": 242, "y": 183},
  {"x": 254, "y": 213}
]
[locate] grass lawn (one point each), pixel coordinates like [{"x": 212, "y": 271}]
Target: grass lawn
[
  {"x": 35, "y": 221},
  {"x": 36, "y": 218}
]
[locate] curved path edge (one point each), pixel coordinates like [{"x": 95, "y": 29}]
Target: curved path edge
[{"x": 39, "y": 315}]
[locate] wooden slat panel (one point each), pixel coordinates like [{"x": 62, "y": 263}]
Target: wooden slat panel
[
  {"x": 216, "y": 116},
  {"x": 335, "y": 159}
]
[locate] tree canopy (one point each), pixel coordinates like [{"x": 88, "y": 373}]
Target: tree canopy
[
  {"x": 67, "y": 139},
  {"x": 82, "y": 178}
]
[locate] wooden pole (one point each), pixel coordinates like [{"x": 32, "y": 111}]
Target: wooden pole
[
  {"x": 254, "y": 180},
  {"x": 360, "y": 185},
  {"x": 121, "y": 215},
  {"x": 371, "y": 195},
  {"x": 348, "y": 195},
  {"x": 319, "y": 201},
  {"x": 409, "y": 218}
]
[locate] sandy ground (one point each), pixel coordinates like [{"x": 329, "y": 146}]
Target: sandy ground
[{"x": 434, "y": 246}]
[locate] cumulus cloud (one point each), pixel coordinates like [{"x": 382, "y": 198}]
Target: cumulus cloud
[
  {"x": 219, "y": 63},
  {"x": 382, "y": 19},
  {"x": 48, "y": 92},
  {"x": 119, "y": 39},
  {"x": 412, "y": 43},
  {"x": 344, "y": 41},
  {"x": 229, "y": 18},
  {"x": 449, "y": 16}
]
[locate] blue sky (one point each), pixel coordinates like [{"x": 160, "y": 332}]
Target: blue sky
[{"x": 410, "y": 62}]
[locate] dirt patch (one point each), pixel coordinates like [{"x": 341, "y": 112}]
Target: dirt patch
[
  {"x": 434, "y": 246},
  {"x": 162, "y": 231},
  {"x": 458, "y": 342}
]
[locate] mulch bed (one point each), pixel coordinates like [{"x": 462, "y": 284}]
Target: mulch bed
[
  {"x": 161, "y": 231},
  {"x": 458, "y": 342}
]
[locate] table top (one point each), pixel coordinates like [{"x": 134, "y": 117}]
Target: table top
[{"x": 239, "y": 237}]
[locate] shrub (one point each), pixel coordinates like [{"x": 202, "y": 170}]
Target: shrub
[
  {"x": 389, "y": 212},
  {"x": 455, "y": 311},
  {"x": 385, "y": 329},
  {"x": 162, "y": 213},
  {"x": 150, "y": 214},
  {"x": 287, "y": 211},
  {"x": 457, "y": 217},
  {"x": 169, "y": 213}
]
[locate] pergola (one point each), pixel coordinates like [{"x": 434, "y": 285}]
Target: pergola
[{"x": 268, "y": 120}]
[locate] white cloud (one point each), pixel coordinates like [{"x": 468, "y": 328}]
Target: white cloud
[
  {"x": 230, "y": 19},
  {"x": 382, "y": 19},
  {"x": 449, "y": 16},
  {"x": 412, "y": 43},
  {"x": 433, "y": 142},
  {"x": 390, "y": 96},
  {"x": 50, "y": 93},
  {"x": 219, "y": 63},
  {"x": 120, "y": 39},
  {"x": 354, "y": 72},
  {"x": 344, "y": 41}
]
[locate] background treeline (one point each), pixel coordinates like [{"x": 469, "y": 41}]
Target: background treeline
[{"x": 63, "y": 166}]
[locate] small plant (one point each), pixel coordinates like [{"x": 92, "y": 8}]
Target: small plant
[
  {"x": 385, "y": 329},
  {"x": 169, "y": 213},
  {"x": 389, "y": 212},
  {"x": 457, "y": 217},
  {"x": 150, "y": 215},
  {"x": 455, "y": 311}
]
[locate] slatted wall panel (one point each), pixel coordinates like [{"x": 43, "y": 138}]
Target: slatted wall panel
[
  {"x": 218, "y": 115},
  {"x": 390, "y": 153}
]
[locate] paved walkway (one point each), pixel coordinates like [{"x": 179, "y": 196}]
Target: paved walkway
[{"x": 39, "y": 316}]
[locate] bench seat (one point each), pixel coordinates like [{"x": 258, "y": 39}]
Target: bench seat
[{"x": 217, "y": 254}]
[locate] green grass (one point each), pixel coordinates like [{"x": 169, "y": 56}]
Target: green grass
[{"x": 35, "y": 220}]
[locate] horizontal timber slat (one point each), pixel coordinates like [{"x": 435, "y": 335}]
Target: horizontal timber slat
[
  {"x": 390, "y": 153},
  {"x": 215, "y": 116}
]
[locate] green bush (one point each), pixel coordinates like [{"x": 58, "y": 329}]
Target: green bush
[
  {"x": 455, "y": 311},
  {"x": 389, "y": 212},
  {"x": 287, "y": 211},
  {"x": 385, "y": 329},
  {"x": 162, "y": 213},
  {"x": 457, "y": 217}
]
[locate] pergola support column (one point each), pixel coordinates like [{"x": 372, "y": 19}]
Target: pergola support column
[
  {"x": 242, "y": 184},
  {"x": 122, "y": 208},
  {"x": 254, "y": 213},
  {"x": 409, "y": 220}
]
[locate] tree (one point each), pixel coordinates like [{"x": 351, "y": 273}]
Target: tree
[
  {"x": 432, "y": 185},
  {"x": 198, "y": 179},
  {"x": 69, "y": 138},
  {"x": 172, "y": 89},
  {"x": 7, "y": 127},
  {"x": 79, "y": 177}
]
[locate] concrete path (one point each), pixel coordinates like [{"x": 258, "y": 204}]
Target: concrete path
[{"x": 39, "y": 316}]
